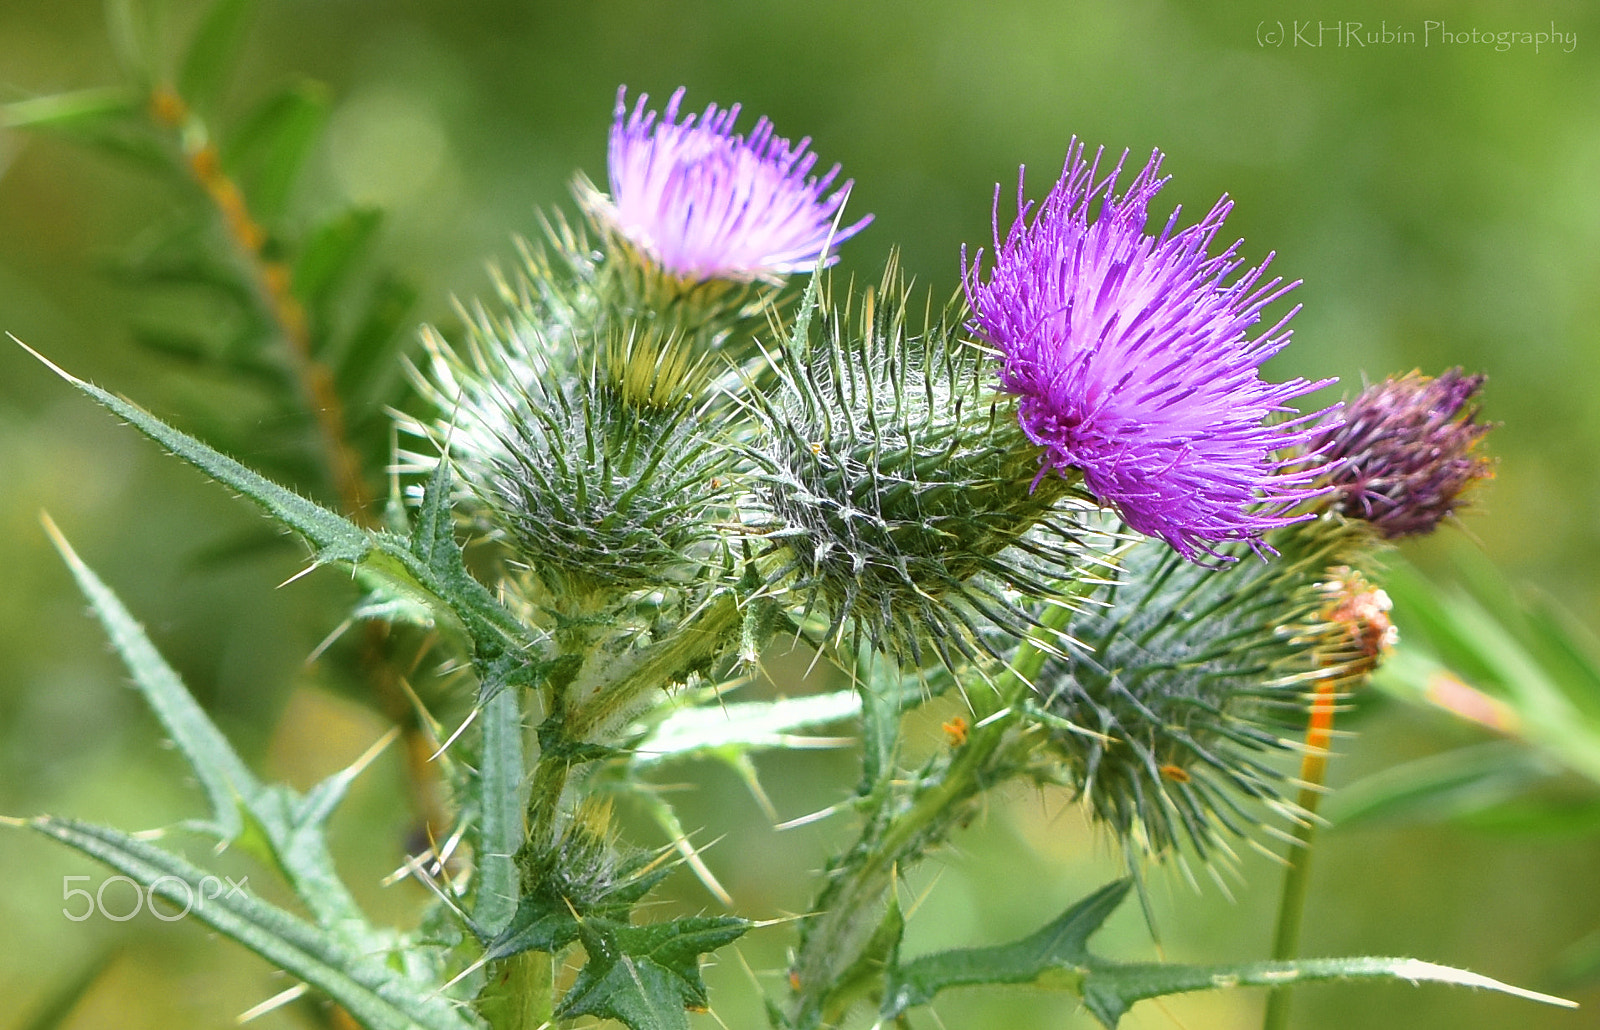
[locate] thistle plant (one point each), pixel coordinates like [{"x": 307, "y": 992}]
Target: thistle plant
[{"x": 1064, "y": 498}]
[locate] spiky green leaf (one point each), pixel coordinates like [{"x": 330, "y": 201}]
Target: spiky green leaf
[
  {"x": 430, "y": 571},
  {"x": 647, "y": 976},
  {"x": 281, "y": 825},
  {"x": 372, "y": 991},
  {"x": 1060, "y": 948},
  {"x": 500, "y": 831},
  {"x": 1110, "y": 989},
  {"x": 223, "y": 775},
  {"x": 1057, "y": 956}
]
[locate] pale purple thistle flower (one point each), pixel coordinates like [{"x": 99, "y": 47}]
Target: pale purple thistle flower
[
  {"x": 704, "y": 203},
  {"x": 1129, "y": 357}
]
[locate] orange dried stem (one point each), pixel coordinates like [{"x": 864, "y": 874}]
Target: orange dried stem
[
  {"x": 272, "y": 283},
  {"x": 1362, "y": 611}
]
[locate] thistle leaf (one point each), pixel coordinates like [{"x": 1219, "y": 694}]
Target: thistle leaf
[
  {"x": 1110, "y": 989},
  {"x": 224, "y": 777},
  {"x": 1060, "y": 947},
  {"x": 372, "y": 991},
  {"x": 334, "y": 537},
  {"x": 430, "y": 572},
  {"x": 647, "y": 976},
  {"x": 286, "y": 828},
  {"x": 1057, "y": 956}
]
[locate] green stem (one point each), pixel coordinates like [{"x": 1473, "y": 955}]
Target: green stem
[
  {"x": 1291, "y": 908},
  {"x": 521, "y": 994},
  {"x": 837, "y": 938},
  {"x": 698, "y": 643},
  {"x": 544, "y": 800}
]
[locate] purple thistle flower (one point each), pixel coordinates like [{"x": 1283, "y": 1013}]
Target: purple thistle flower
[
  {"x": 1129, "y": 357},
  {"x": 704, "y": 203},
  {"x": 1403, "y": 454}
]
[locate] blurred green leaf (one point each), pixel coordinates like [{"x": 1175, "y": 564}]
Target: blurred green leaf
[
  {"x": 328, "y": 255},
  {"x": 57, "y": 1008},
  {"x": 700, "y": 730},
  {"x": 1439, "y": 787},
  {"x": 240, "y": 547},
  {"x": 1487, "y": 657},
  {"x": 79, "y": 110},
  {"x": 128, "y": 27},
  {"x": 368, "y": 359},
  {"x": 213, "y": 52},
  {"x": 268, "y": 150}
]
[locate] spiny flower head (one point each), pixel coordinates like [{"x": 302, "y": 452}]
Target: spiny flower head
[
  {"x": 1184, "y": 681},
  {"x": 1130, "y": 359},
  {"x": 703, "y": 202},
  {"x": 1403, "y": 454},
  {"x": 896, "y": 489}
]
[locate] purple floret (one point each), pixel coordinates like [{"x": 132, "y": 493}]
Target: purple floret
[
  {"x": 1129, "y": 357},
  {"x": 706, "y": 203}
]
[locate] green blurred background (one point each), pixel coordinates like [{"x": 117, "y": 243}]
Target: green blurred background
[{"x": 1441, "y": 203}]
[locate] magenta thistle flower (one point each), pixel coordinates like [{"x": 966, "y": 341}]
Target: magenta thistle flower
[
  {"x": 705, "y": 203},
  {"x": 1129, "y": 357}
]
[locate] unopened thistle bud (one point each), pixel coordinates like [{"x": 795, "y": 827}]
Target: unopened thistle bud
[
  {"x": 1404, "y": 454},
  {"x": 1187, "y": 680},
  {"x": 899, "y": 486},
  {"x": 590, "y": 488}
]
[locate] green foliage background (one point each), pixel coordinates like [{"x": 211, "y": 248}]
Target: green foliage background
[{"x": 1441, "y": 202}]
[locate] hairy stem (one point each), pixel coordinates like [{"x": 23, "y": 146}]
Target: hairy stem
[
  {"x": 697, "y": 643},
  {"x": 901, "y": 830}
]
